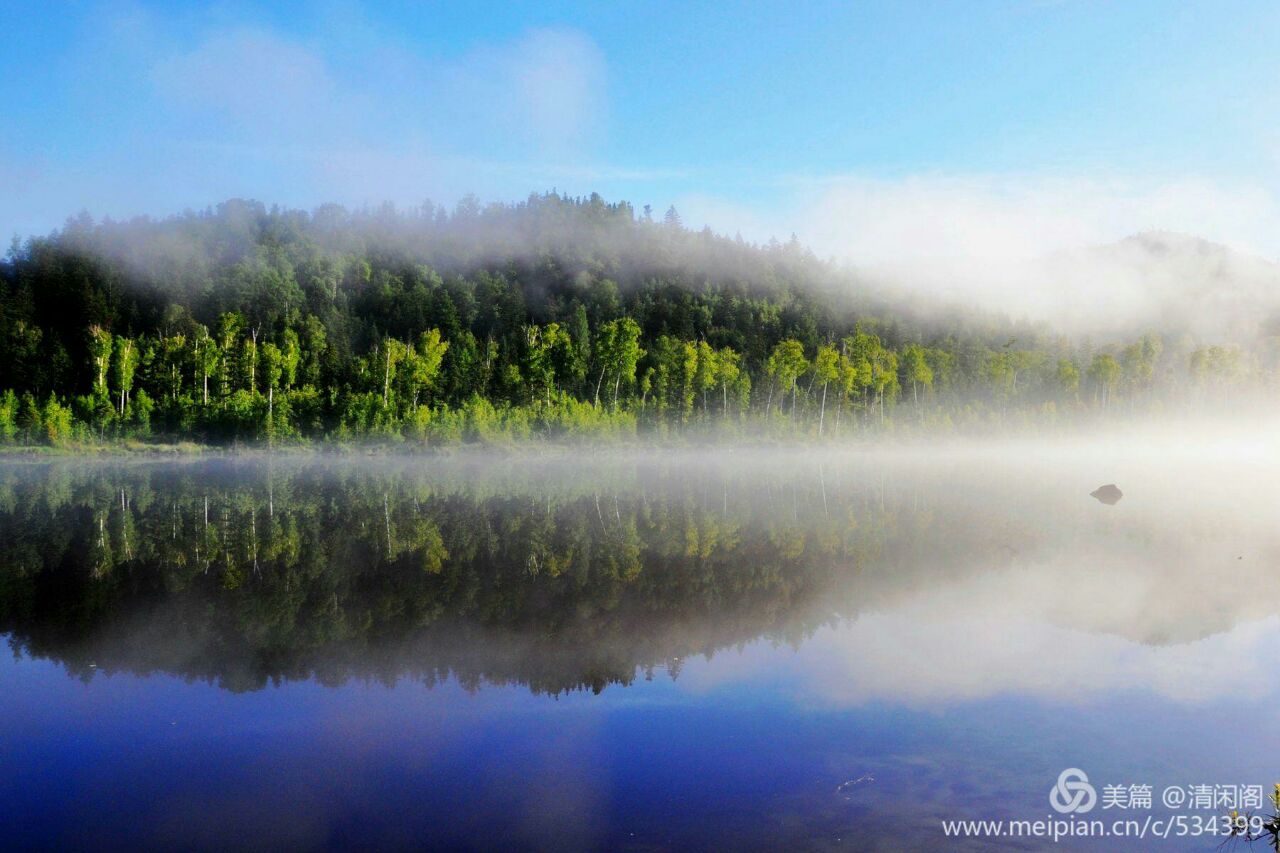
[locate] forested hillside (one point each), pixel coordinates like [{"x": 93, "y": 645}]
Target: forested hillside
[{"x": 554, "y": 316}]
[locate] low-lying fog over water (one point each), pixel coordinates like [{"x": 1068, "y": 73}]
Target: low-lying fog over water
[{"x": 694, "y": 649}]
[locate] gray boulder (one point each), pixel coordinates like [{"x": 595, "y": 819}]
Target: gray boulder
[{"x": 1108, "y": 494}]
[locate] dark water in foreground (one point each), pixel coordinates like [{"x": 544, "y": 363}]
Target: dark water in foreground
[{"x": 706, "y": 651}]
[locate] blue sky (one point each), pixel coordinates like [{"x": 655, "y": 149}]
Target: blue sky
[{"x": 865, "y": 127}]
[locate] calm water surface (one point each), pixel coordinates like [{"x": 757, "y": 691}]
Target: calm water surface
[{"x": 693, "y": 651}]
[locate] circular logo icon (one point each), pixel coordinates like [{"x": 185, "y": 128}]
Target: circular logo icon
[{"x": 1072, "y": 794}]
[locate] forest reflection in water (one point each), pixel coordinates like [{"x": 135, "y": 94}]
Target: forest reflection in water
[
  {"x": 565, "y": 574},
  {"x": 543, "y": 573}
]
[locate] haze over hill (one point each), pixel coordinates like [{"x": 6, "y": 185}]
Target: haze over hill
[
  {"x": 567, "y": 316},
  {"x": 1168, "y": 281}
]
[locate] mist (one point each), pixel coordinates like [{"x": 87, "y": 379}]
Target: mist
[
  {"x": 880, "y": 554},
  {"x": 1083, "y": 254}
]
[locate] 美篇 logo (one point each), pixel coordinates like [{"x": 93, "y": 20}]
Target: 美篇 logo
[{"x": 1072, "y": 794}]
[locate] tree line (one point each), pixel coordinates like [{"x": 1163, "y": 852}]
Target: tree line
[{"x": 554, "y": 316}]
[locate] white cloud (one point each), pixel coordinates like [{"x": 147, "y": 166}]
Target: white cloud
[
  {"x": 935, "y": 224},
  {"x": 926, "y": 657},
  {"x": 541, "y": 94},
  {"x": 1013, "y": 243},
  {"x": 1052, "y": 630},
  {"x": 255, "y": 79},
  {"x": 200, "y": 108},
  {"x": 349, "y": 113},
  {"x": 560, "y": 78}
]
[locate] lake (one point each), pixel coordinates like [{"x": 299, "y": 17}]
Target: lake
[{"x": 729, "y": 649}]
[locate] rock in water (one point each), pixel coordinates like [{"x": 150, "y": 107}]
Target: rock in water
[{"x": 1108, "y": 494}]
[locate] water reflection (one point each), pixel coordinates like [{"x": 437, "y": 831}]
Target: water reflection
[
  {"x": 918, "y": 577},
  {"x": 952, "y": 627},
  {"x": 247, "y": 572}
]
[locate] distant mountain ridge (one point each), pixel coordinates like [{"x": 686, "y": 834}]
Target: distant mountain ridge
[{"x": 1172, "y": 282}]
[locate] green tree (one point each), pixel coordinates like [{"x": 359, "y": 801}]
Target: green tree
[
  {"x": 425, "y": 359},
  {"x": 884, "y": 378},
  {"x": 249, "y": 363},
  {"x": 124, "y": 365},
  {"x": 290, "y": 358},
  {"x": 8, "y": 416},
  {"x": 101, "y": 345},
  {"x": 728, "y": 374},
  {"x": 705, "y": 375},
  {"x": 139, "y": 416},
  {"x": 618, "y": 352},
  {"x": 916, "y": 370},
  {"x": 230, "y": 326},
  {"x": 30, "y": 420},
  {"x": 548, "y": 352},
  {"x": 1068, "y": 376},
  {"x": 315, "y": 346},
  {"x": 391, "y": 353},
  {"x": 943, "y": 364},
  {"x": 848, "y": 380},
  {"x": 1216, "y": 367},
  {"x": 207, "y": 357},
  {"x": 173, "y": 355},
  {"x": 1138, "y": 362},
  {"x": 580, "y": 334},
  {"x": 864, "y": 351},
  {"x": 272, "y": 371},
  {"x": 57, "y": 422},
  {"x": 786, "y": 364},
  {"x": 826, "y": 369},
  {"x": 1104, "y": 372}
]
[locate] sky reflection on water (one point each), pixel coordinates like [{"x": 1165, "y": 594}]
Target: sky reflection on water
[{"x": 357, "y": 666}]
